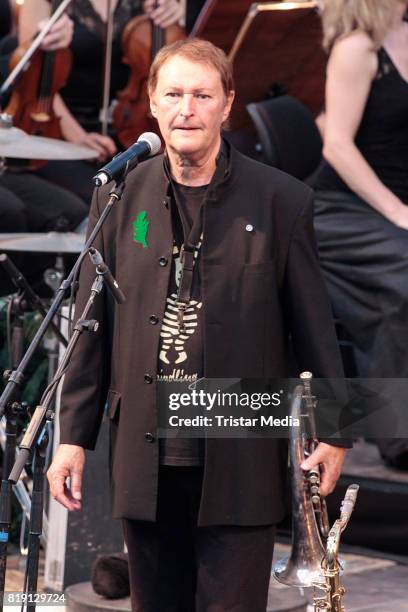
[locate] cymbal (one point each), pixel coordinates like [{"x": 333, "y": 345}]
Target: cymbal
[
  {"x": 17, "y": 143},
  {"x": 51, "y": 242}
]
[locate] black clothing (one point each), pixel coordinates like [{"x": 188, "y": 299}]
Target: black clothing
[
  {"x": 74, "y": 176},
  {"x": 12, "y": 212},
  {"x": 176, "y": 566},
  {"x": 5, "y": 18},
  {"x": 365, "y": 262},
  {"x": 181, "y": 353},
  {"x": 261, "y": 282},
  {"x": 363, "y": 255},
  {"x": 12, "y": 219},
  {"x": 382, "y": 137},
  {"x": 46, "y": 207},
  {"x": 8, "y": 42},
  {"x": 31, "y": 204},
  {"x": 193, "y": 10},
  {"x": 84, "y": 89}
]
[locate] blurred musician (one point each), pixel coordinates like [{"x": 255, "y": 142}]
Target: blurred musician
[
  {"x": 80, "y": 101},
  {"x": 362, "y": 189},
  {"x": 27, "y": 201}
]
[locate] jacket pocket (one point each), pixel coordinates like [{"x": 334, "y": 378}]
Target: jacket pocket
[
  {"x": 113, "y": 402},
  {"x": 264, "y": 267}
]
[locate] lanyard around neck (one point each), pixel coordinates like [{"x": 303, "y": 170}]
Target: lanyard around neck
[{"x": 191, "y": 246}]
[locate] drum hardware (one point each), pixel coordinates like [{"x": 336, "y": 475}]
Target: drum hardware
[
  {"x": 15, "y": 143},
  {"x": 50, "y": 242}
]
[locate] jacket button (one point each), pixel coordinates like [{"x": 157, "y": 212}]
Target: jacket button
[
  {"x": 148, "y": 379},
  {"x": 163, "y": 261},
  {"x": 149, "y": 437},
  {"x": 153, "y": 319}
]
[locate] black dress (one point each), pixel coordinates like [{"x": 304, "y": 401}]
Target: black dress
[
  {"x": 83, "y": 90},
  {"x": 364, "y": 256},
  {"x": 5, "y": 18}
]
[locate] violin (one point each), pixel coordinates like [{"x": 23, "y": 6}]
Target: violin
[
  {"x": 32, "y": 99},
  {"x": 141, "y": 41}
]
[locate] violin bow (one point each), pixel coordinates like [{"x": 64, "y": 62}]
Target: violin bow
[{"x": 104, "y": 114}]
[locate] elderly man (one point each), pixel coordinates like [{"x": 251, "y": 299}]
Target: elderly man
[{"x": 198, "y": 519}]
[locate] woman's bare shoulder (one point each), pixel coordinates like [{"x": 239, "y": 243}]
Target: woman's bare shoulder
[{"x": 355, "y": 52}]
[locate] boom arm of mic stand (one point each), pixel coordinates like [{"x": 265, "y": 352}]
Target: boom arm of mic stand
[{"x": 16, "y": 377}]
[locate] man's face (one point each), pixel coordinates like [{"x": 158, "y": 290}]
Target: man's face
[{"x": 190, "y": 106}]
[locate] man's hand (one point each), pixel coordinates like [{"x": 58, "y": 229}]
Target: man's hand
[
  {"x": 331, "y": 459},
  {"x": 60, "y": 34},
  {"x": 68, "y": 462}
]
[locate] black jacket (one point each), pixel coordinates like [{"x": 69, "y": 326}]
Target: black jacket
[{"x": 259, "y": 287}]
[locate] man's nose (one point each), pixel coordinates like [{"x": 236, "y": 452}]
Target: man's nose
[{"x": 187, "y": 105}]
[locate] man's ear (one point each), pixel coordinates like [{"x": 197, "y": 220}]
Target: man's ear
[
  {"x": 153, "y": 107},
  {"x": 228, "y": 105}
]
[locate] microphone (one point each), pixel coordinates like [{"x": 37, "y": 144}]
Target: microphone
[
  {"x": 103, "y": 270},
  {"x": 147, "y": 145}
]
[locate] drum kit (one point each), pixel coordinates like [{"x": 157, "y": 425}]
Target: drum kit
[{"x": 15, "y": 143}]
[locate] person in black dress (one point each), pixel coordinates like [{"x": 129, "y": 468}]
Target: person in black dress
[
  {"x": 27, "y": 201},
  {"x": 361, "y": 210},
  {"x": 80, "y": 101}
]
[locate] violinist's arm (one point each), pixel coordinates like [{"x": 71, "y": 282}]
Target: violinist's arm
[
  {"x": 31, "y": 13},
  {"x": 73, "y": 132},
  {"x": 33, "y": 16},
  {"x": 351, "y": 69}
]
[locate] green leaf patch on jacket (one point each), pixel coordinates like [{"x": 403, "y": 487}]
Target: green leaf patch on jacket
[{"x": 140, "y": 228}]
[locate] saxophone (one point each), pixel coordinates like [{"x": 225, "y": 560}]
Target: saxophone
[
  {"x": 331, "y": 599},
  {"x": 313, "y": 561}
]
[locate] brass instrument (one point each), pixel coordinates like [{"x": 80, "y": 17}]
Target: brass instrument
[
  {"x": 313, "y": 562},
  {"x": 331, "y": 600},
  {"x": 302, "y": 568}
]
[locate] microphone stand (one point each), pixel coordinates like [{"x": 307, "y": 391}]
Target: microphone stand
[
  {"x": 15, "y": 379},
  {"x": 36, "y": 437},
  {"x": 37, "y": 504},
  {"x": 17, "y": 307}
]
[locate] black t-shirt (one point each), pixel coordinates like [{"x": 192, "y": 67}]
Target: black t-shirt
[{"x": 181, "y": 353}]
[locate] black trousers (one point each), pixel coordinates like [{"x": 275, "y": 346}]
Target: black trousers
[
  {"x": 29, "y": 203},
  {"x": 176, "y": 566},
  {"x": 72, "y": 176}
]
